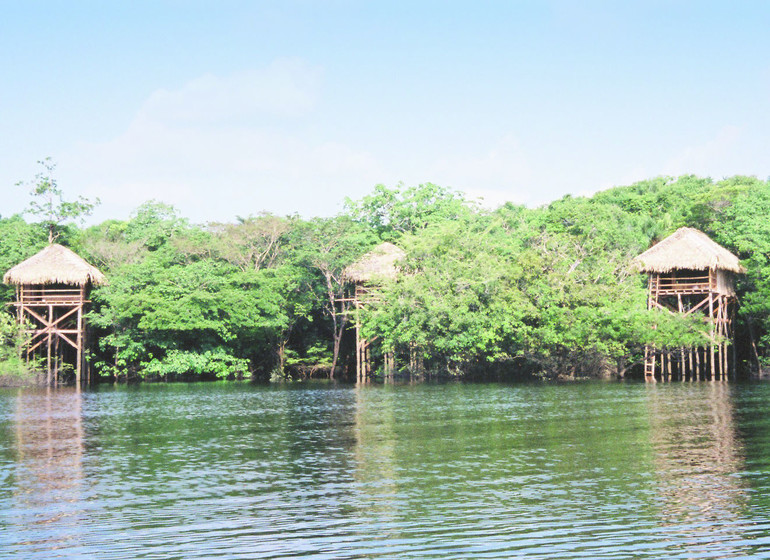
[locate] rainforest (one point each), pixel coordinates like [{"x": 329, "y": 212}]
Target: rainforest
[{"x": 501, "y": 293}]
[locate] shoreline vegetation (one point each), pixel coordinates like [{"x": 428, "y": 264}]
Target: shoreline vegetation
[{"x": 508, "y": 293}]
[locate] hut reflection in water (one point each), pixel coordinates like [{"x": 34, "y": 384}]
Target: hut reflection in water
[
  {"x": 48, "y": 483},
  {"x": 697, "y": 452}
]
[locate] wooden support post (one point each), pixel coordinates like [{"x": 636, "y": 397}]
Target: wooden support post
[
  {"x": 663, "y": 365},
  {"x": 79, "y": 349},
  {"x": 718, "y": 329},
  {"x": 56, "y": 319},
  {"x": 48, "y": 347},
  {"x": 358, "y": 348},
  {"x": 712, "y": 341},
  {"x": 724, "y": 361},
  {"x": 698, "y": 371},
  {"x": 387, "y": 358},
  {"x": 734, "y": 368},
  {"x": 684, "y": 295},
  {"x": 725, "y": 337},
  {"x": 680, "y": 306},
  {"x": 56, "y": 361}
]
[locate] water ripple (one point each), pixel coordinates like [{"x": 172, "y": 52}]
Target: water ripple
[{"x": 323, "y": 471}]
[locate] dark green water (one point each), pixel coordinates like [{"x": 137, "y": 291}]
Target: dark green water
[{"x": 594, "y": 470}]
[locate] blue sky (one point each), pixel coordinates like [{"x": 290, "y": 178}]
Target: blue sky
[{"x": 228, "y": 108}]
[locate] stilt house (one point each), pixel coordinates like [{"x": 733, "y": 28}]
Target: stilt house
[
  {"x": 52, "y": 289},
  {"x": 689, "y": 273},
  {"x": 381, "y": 263}
]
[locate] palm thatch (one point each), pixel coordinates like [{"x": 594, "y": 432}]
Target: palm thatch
[
  {"x": 687, "y": 248},
  {"x": 379, "y": 263},
  {"x": 54, "y": 265}
]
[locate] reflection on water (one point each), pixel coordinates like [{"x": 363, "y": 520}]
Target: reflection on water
[
  {"x": 697, "y": 453},
  {"x": 426, "y": 471},
  {"x": 46, "y": 479},
  {"x": 374, "y": 452}
]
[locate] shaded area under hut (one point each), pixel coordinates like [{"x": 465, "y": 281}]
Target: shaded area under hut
[
  {"x": 381, "y": 263},
  {"x": 691, "y": 274},
  {"x": 52, "y": 289}
]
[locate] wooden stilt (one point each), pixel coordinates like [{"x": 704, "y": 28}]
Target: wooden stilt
[
  {"x": 697, "y": 364},
  {"x": 56, "y": 361},
  {"x": 359, "y": 375},
  {"x": 48, "y": 348},
  {"x": 79, "y": 349},
  {"x": 712, "y": 354},
  {"x": 55, "y": 320},
  {"x": 684, "y": 292}
]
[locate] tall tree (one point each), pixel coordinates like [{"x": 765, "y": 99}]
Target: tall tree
[
  {"x": 391, "y": 212},
  {"x": 328, "y": 246},
  {"x": 254, "y": 242},
  {"x": 48, "y": 201}
]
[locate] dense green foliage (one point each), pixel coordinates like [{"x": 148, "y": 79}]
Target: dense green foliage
[
  {"x": 12, "y": 342},
  {"x": 546, "y": 291}
]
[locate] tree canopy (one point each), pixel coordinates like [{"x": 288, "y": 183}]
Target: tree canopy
[{"x": 543, "y": 291}]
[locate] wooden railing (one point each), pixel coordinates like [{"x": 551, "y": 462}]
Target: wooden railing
[
  {"x": 694, "y": 284},
  {"x": 52, "y": 295}
]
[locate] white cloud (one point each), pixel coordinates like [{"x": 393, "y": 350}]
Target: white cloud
[
  {"x": 492, "y": 198},
  {"x": 713, "y": 157},
  {"x": 286, "y": 88},
  {"x": 619, "y": 178},
  {"x": 500, "y": 174},
  {"x": 225, "y": 146}
]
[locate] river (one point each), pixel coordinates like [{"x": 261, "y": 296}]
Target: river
[{"x": 234, "y": 470}]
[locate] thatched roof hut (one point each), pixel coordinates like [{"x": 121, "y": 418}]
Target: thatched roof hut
[
  {"x": 54, "y": 265},
  {"x": 687, "y": 248},
  {"x": 381, "y": 262}
]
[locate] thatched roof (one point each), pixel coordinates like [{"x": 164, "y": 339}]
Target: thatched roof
[
  {"x": 54, "y": 265},
  {"x": 380, "y": 262},
  {"x": 687, "y": 248}
]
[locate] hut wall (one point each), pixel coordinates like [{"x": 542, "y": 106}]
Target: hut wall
[{"x": 725, "y": 283}]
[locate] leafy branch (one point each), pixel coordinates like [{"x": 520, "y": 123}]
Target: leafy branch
[{"x": 48, "y": 201}]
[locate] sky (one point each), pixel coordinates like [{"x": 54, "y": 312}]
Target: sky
[{"x": 226, "y": 108}]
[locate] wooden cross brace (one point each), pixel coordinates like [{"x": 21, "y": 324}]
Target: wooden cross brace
[
  {"x": 51, "y": 327},
  {"x": 659, "y": 305}
]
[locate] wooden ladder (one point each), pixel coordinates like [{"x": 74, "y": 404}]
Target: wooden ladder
[{"x": 649, "y": 364}]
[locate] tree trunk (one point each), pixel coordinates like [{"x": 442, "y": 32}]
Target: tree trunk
[
  {"x": 754, "y": 346},
  {"x": 339, "y": 320},
  {"x": 282, "y": 356}
]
